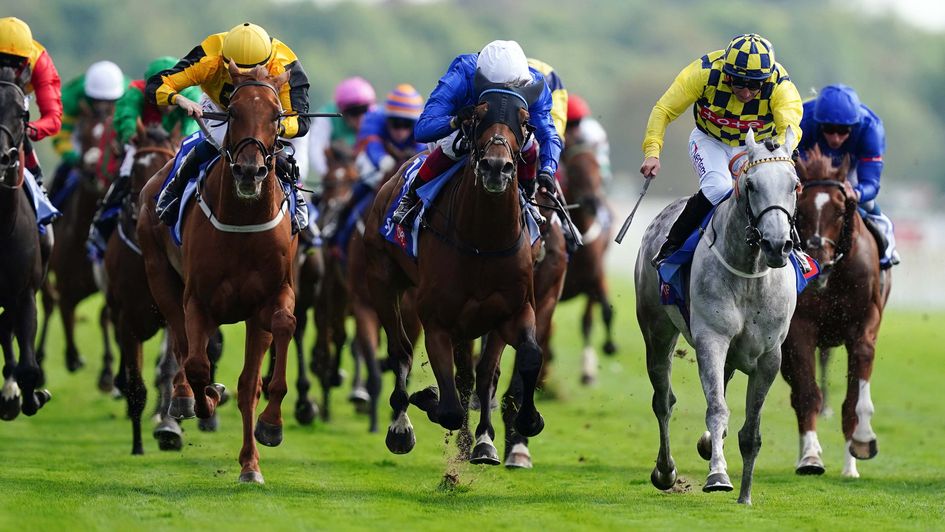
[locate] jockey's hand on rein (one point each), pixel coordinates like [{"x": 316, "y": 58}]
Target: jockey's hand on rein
[
  {"x": 462, "y": 116},
  {"x": 547, "y": 180}
]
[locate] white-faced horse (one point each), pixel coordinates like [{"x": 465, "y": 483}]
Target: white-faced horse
[{"x": 741, "y": 300}]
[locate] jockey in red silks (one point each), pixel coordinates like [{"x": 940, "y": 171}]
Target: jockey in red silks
[
  {"x": 33, "y": 65},
  {"x": 451, "y": 103}
]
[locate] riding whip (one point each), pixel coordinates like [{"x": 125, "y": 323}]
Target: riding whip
[{"x": 626, "y": 223}]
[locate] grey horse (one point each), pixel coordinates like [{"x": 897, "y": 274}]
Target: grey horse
[{"x": 741, "y": 301}]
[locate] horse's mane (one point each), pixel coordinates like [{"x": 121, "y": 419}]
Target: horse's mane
[{"x": 817, "y": 166}]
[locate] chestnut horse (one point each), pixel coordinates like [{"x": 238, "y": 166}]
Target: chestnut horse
[
  {"x": 586, "y": 273},
  {"x": 21, "y": 265},
  {"x": 473, "y": 276},
  {"x": 844, "y": 306},
  {"x": 235, "y": 264},
  {"x": 72, "y": 277}
]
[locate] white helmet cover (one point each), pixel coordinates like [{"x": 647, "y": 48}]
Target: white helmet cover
[
  {"x": 504, "y": 62},
  {"x": 104, "y": 81}
]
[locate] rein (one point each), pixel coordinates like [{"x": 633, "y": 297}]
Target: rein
[{"x": 16, "y": 141}]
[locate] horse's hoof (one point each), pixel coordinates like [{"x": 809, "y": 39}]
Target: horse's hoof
[
  {"x": 810, "y": 465},
  {"x": 588, "y": 380},
  {"x": 106, "y": 382},
  {"x": 400, "y": 438},
  {"x": 168, "y": 436},
  {"x": 224, "y": 395},
  {"x": 484, "y": 452},
  {"x": 10, "y": 407},
  {"x": 704, "y": 446},
  {"x": 450, "y": 419},
  {"x": 428, "y": 400},
  {"x": 610, "y": 348},
  {"x": 529, "y": 425},
  {"x": 862, "y": 450},
  {"x": 663, "y": 481},
  {"x": 337, "y": 379},
  {"x": 519, "y": 457},
  {"x": 40, "y": 398},
  {"x": 305, "y": 412},
  {"x": 252, "y": 477},
  {"x": 117, "y": 394},
  {"x": 137, "y": 449},
  {"x": 359, "y": 394},
  {"x": 215, "y": 392},
  {"x": 182, "y": 408},
  {"x": 75, "y": 364},
  {"x": 210, "y": 424},
  {"x": 268, "y": 434},
  {"x": 717, "y": 482}
]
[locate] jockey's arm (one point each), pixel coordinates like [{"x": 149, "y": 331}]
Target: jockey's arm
[
  {"x": 193, "y": 69},
  {"x": 72, "y": 96},
  {"x": 549, "y": 143},
  {"x": 448, "y": 96},
  {"x": 787, "y": 108},
  {"x": 294, "y": 96},
  {"x": 47, "y": 87},
  {"x": 684, "y": 91},
  {"x": 869, "y": 165}
]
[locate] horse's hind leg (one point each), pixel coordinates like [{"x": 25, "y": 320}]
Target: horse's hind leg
[
  {"x": 74, "y": 360},
  {"x": 49, "y": 306},
  {"x": 10, "y": 399},
  {"x": 588, "y": 354},
  {"x": 824, "y": 363},
  {"x": 366, "y": 340},
  {"x": 27, "y": 372},
  {"x": 607, "y": 314},
  {"x": 447, "y": 410},
  {"x": 660, "y": 340},
  {"x": 528, "y": 422},
  {"x": 749, "y": 437},
  {"x": 305, "y": 409},
  {"x": 214, "y": 352},
  {"x": 168, "y": 432},
  {"x": 106, "y": 379},
  {"x": 136, "y": 393},
  {"x": 858, "y": 405},
  {"x": 197, "y": 364},
  {"x": 464, "y": 383}
]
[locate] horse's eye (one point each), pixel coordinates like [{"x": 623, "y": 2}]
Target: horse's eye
[{"x": 750, "y": 185}]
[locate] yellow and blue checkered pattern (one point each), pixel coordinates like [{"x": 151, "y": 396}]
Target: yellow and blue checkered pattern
[{"x": 749, "y": 56}]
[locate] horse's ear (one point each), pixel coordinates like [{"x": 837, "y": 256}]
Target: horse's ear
[
  {"x": 801, "y": 167},
  {"x": 844, "y": 168},
  {"x": 523, "y": 115},
  {"x": 750, "y": 140},
  {"x": 481, "y": 110},
  {"x": 234, "y": 71},
  {"x": 532, "y": 92},
  {"x": 789, "y": 139},
  {"x": 281, "y": 79}
]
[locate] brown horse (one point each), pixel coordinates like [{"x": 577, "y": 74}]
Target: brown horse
[
  {"x": 473, "y": 276},
  {"x": 133, "y": 310},
  {"x": 586, "y": 274},
  {"x": 73, "y": 279},
  {"x": 843, "y": 306},
  {"x": 21, "y": 264},
  {"x": 235, "y": 264}
]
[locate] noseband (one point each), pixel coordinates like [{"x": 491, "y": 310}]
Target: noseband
[
  {"x": 15, "y": 140},
  {"x": 816, "y": 241},
  {"x": 230, "y": 154},
  {"x": 752, "y": 233}
]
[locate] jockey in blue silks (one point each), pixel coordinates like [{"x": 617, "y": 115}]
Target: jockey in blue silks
[
  {"x": 841, "y": 125},
  {"x": 451, "y": 103},
  {"x": 385, "y": 137}
]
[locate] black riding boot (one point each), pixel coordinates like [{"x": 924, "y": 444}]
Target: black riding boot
[
  {"x": 106, "y": 217},
  {"x": 407, "y": 208},
  {"x": 689, "y": 219},
  {"x": 168, "y": 203},
  {"x": 288, "y": 172}
]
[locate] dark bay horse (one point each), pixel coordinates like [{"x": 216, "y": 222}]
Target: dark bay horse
[
  {"x": 235, "y": 264},
  {"x": 21, "y": 265},
  {"x": 72, "y": 278},
  {"x": 742, "y": 293},
  {"x": 844, "y": 306},
  {"x": 586, "y": 274},
  {"x": 473, "y": 276}
]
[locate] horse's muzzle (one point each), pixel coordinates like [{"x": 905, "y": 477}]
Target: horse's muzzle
[
  {"x": 776, "y": 253},
  {"x": 496, "y": 173},
  {"x": 249, "y": 179}
]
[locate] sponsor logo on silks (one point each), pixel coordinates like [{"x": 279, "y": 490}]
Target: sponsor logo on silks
[
  {"x": 875, "y": 159},
  {"x": 737, "y": 123},
  {"x": 401, "y": 236},
  {"x": 697, "y": 162}
]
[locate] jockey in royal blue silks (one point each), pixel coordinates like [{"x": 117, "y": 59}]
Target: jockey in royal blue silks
[
  {"x": 451, "y": 103},
  {"x": 385, "y": 136},
  {"x": 841, "y": 125}
]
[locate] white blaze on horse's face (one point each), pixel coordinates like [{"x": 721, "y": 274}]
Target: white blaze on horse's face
[{"x": 771, "y": 191}]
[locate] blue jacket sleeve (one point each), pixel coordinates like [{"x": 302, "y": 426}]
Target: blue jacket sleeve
[
  {"x": 372, "y": 134},
  {"x": 549, "y": 143},
  {"x": 452, "y": 92},
  {"x": 869, "y": 164},
  {"x": 809, "y": 131}
]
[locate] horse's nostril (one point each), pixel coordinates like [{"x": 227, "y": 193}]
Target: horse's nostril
[
  {"x": 507, "y": 168},
  {"x": 788, "y": 247},
  {"x": 262, "y": 171},
  {"x": 238, "y": 169}
]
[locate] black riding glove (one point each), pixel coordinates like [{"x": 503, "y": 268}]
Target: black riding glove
[{"x": 547, "y": 180}]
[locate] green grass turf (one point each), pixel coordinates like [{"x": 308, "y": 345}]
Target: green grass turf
[{"x": 70, "y": 466}]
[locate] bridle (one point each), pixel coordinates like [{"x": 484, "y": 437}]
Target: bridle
[
  {"x": 816, "y": 241},
  {"x": 752, "y": 233},
  {"x": 230, "y": 154},
  {"x": 13, "y": 153}
]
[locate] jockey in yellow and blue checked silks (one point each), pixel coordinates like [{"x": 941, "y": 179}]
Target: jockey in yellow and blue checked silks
[
  {"x": 248, "y": 46},
  {"x": 840, "y": 124},
  {"x": 731, "y": 91}
]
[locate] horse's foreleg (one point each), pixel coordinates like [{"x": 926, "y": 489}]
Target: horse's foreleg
[
  {"x": 366, "y": 338},
  {"x": 196, "y": 366},
  {"x": 10, "y": 398},
  {"x": 305, "y": 409},
  {"x": 136, "y": 393},
  {"x": 448, "y": 411},
  {"x": 27, "y": 372},
  {"x": 749, "y": 437},
  {"x": 711, "y": 354},
  {"x": 106, "y": 379},
  {"x": 521, "y": 333},
  {"x": 858, "y": 405},
  {"x": 464, "y": 384},
  {"x": 167, "y": 432},
  {"x": 74, "y": 360},
  {"x": 607, "y": 314},
  {"x": 257, "y": 341},
  {"x": 49, "y": 305},
  {"x": 282, "y": 324},
  {"x": 797, "y": 367},
  {"x": 823, "y": 360},
  {"x": 588, "y": 354}
]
